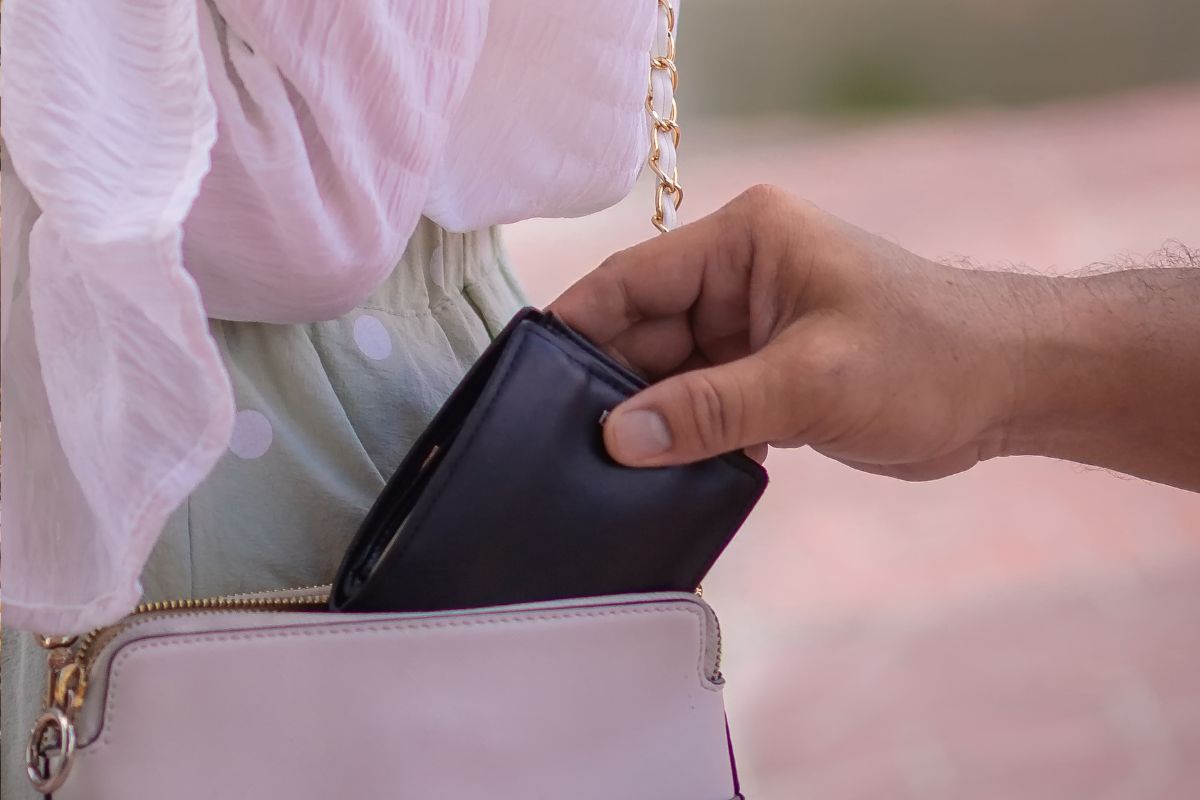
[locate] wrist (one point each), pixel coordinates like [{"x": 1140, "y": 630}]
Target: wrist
[
  {"x": 1066, "y": 373},
  {"x": 1106, "y": 371},
  {"x": 1023, "y": 356}
]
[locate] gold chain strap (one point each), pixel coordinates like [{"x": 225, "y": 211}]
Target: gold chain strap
[{"x": 664, "y": 129}]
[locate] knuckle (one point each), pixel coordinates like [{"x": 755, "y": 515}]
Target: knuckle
[
  {"x": 714, "y": 414},
  {"x": 613, "y": 262},
  {"x": 763, "y": 197},
  {"x": 829, "y": 363},
  {"x": 616, "y": 275},
  {"x": 767, "y": 201},
  {"x": 771, "y": 218}
]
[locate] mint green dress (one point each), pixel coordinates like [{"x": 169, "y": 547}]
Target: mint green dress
[{"x": 325, "y": 412}]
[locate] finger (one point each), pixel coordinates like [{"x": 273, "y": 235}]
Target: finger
[
  {"x": 704, "y": 413},
  {"x": 667, "y": 345},
  {"x": 656, "y": 347},
  {"x": 758, "y": 452},
  {"x": 661, "y": 277},
  {"x": 696, "y": 360}
]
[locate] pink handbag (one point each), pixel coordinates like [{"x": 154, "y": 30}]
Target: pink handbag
[
  {"x": 254, "y": 697},
  {"x": 268, "y": 695}
]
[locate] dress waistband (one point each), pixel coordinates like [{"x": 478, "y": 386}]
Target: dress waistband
[{"x": 438, "y": 266}]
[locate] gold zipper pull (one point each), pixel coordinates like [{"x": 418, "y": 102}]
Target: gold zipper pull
[
  {"x": 53, "y": 734},
  {"x": 58, "y": 655}
]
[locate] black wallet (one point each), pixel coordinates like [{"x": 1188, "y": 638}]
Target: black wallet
[{"x": 510, "y": 496}]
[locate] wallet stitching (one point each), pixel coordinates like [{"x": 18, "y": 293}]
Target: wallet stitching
[{"x": 108, "y": 721}]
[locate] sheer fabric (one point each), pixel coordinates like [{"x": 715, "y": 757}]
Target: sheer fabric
[{"x": 262, "y": 160}]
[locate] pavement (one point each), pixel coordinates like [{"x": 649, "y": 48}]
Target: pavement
[{"x": 1028, "y": 629}]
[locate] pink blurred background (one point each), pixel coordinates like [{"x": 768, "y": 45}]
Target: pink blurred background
[{"x": 1031, "y": 628}]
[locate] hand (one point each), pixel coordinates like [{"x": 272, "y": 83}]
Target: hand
[{"x": 772, "y": 322}]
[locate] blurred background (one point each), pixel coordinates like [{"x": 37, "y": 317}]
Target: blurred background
[{"x": 1030, "y": 629}]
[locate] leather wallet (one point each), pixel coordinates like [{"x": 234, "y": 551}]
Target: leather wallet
[{"x": 510, "y": 496}]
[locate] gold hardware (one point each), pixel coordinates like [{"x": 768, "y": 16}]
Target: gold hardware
[
  {"x": 70, "y": 688},
  {"x": 55, "y": 729},
  {"x": 38, "y": 762},
  {"x": 667, "y": 185},
  {"x": 55, "y": 642}
]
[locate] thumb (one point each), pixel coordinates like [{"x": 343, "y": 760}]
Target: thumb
[{"x": 699, "y": 414}]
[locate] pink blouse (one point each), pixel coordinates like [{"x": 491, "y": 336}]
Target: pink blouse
[{"x": 165, "y": 164}]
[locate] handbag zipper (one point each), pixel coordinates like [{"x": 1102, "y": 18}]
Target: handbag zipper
[{"x": 304, "y": 599}]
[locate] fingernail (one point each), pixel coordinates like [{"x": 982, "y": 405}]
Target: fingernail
[{"x": 640, "y": 435}]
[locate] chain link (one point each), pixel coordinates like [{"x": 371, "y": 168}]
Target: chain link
[{"x": 664, "y": 126}]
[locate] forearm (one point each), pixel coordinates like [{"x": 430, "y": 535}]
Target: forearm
[{"x": 1110, "y": 374}]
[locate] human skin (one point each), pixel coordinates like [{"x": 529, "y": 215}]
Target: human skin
[{"x": 773, "y": 322}]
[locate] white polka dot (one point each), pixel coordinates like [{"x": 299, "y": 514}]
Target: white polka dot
[
  {"x": 372, "y": 338},
  {"x": 252, "y": 434}
]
